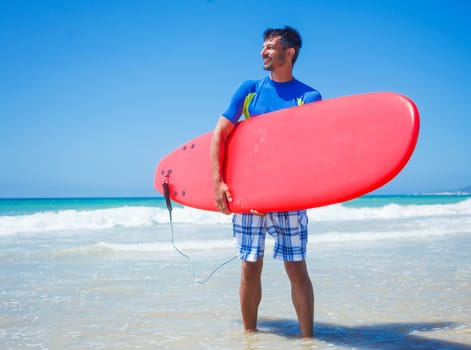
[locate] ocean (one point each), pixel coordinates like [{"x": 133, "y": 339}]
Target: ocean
[{"x": 389, "y": 272}]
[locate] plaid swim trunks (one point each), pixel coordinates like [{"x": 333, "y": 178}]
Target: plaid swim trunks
[{"x": 289, "y": 230}]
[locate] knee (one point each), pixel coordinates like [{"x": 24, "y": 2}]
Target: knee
[
  {"x": 297, "y": 272},
  {"x": 251, "y": 271}
]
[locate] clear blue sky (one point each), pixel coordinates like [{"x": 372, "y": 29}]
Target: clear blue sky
[{"x": 94, "y": 93}]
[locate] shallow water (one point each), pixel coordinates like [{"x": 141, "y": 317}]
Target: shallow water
[{"x": 400, "y": 280}]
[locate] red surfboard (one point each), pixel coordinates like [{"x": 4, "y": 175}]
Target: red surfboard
[{"x": 301, "y": 157}]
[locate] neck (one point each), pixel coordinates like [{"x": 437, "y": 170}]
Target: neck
[{"x": 282, "y": 75}]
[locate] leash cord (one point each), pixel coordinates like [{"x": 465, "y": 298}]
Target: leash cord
[
  {"x": 178, "y": 250},
  {"x": 195, "y": 280}
]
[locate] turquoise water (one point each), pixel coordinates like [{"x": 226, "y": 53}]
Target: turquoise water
[
  {"x": 19, "y": 206},
  {"x": 411, "y": 199}
]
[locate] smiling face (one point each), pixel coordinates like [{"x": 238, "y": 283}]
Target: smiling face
[{"x": 274, "y": 55}]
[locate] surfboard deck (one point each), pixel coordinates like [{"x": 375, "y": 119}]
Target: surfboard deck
[{"x": 301, "y": 157}]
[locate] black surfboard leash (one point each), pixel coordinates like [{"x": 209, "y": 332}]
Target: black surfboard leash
[{"x": 178, "y": 250}]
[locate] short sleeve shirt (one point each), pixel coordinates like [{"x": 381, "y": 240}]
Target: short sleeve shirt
[{"x": 267, "y": 96}]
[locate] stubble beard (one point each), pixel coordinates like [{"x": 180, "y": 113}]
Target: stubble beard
[
  {"x": 267, "y": 64},
  {"x": 272, "y": 63}
]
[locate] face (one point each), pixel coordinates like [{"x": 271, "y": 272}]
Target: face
[{"x": 273, "y": 54}]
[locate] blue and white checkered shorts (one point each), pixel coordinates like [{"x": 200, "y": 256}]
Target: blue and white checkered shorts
[{"x": 288, "y": 228}]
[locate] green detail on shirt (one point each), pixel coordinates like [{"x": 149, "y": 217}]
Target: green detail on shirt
[
  {"x": 247, "y": 101},
  {"x": 249, "y": 98}
]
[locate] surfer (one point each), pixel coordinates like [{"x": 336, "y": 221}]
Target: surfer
[{"x": 254, "y": 97}]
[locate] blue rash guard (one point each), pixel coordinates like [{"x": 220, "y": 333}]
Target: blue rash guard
[{"x": 255, "y": 97}]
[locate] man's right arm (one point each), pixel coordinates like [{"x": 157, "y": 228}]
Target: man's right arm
[{"x": 222, "y": 194}]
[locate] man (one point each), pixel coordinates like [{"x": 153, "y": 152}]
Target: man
[{"x": 279, "y": 90}]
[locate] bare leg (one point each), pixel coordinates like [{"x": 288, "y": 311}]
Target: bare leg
[
  {"x": 250, "y": 293},
  {"x": 302, "y": 294}
]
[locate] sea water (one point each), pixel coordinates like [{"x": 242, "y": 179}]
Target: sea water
[{"x": 389, "y": 272}]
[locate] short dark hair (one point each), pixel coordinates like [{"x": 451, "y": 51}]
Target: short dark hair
[{"x": 289, "y": 38}]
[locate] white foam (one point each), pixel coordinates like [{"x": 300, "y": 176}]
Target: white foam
[
  {"x": 130, "y": 217},
  {"x": 339, "y": 212},
  {"x": 70, "y": 220},
  {"x": 167, "y": 246},
  {"x": 336, "y": 237},
  {"x": 315, "y": 239}
]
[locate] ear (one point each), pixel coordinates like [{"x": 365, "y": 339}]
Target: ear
[{"x": 291, "y": 52}]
